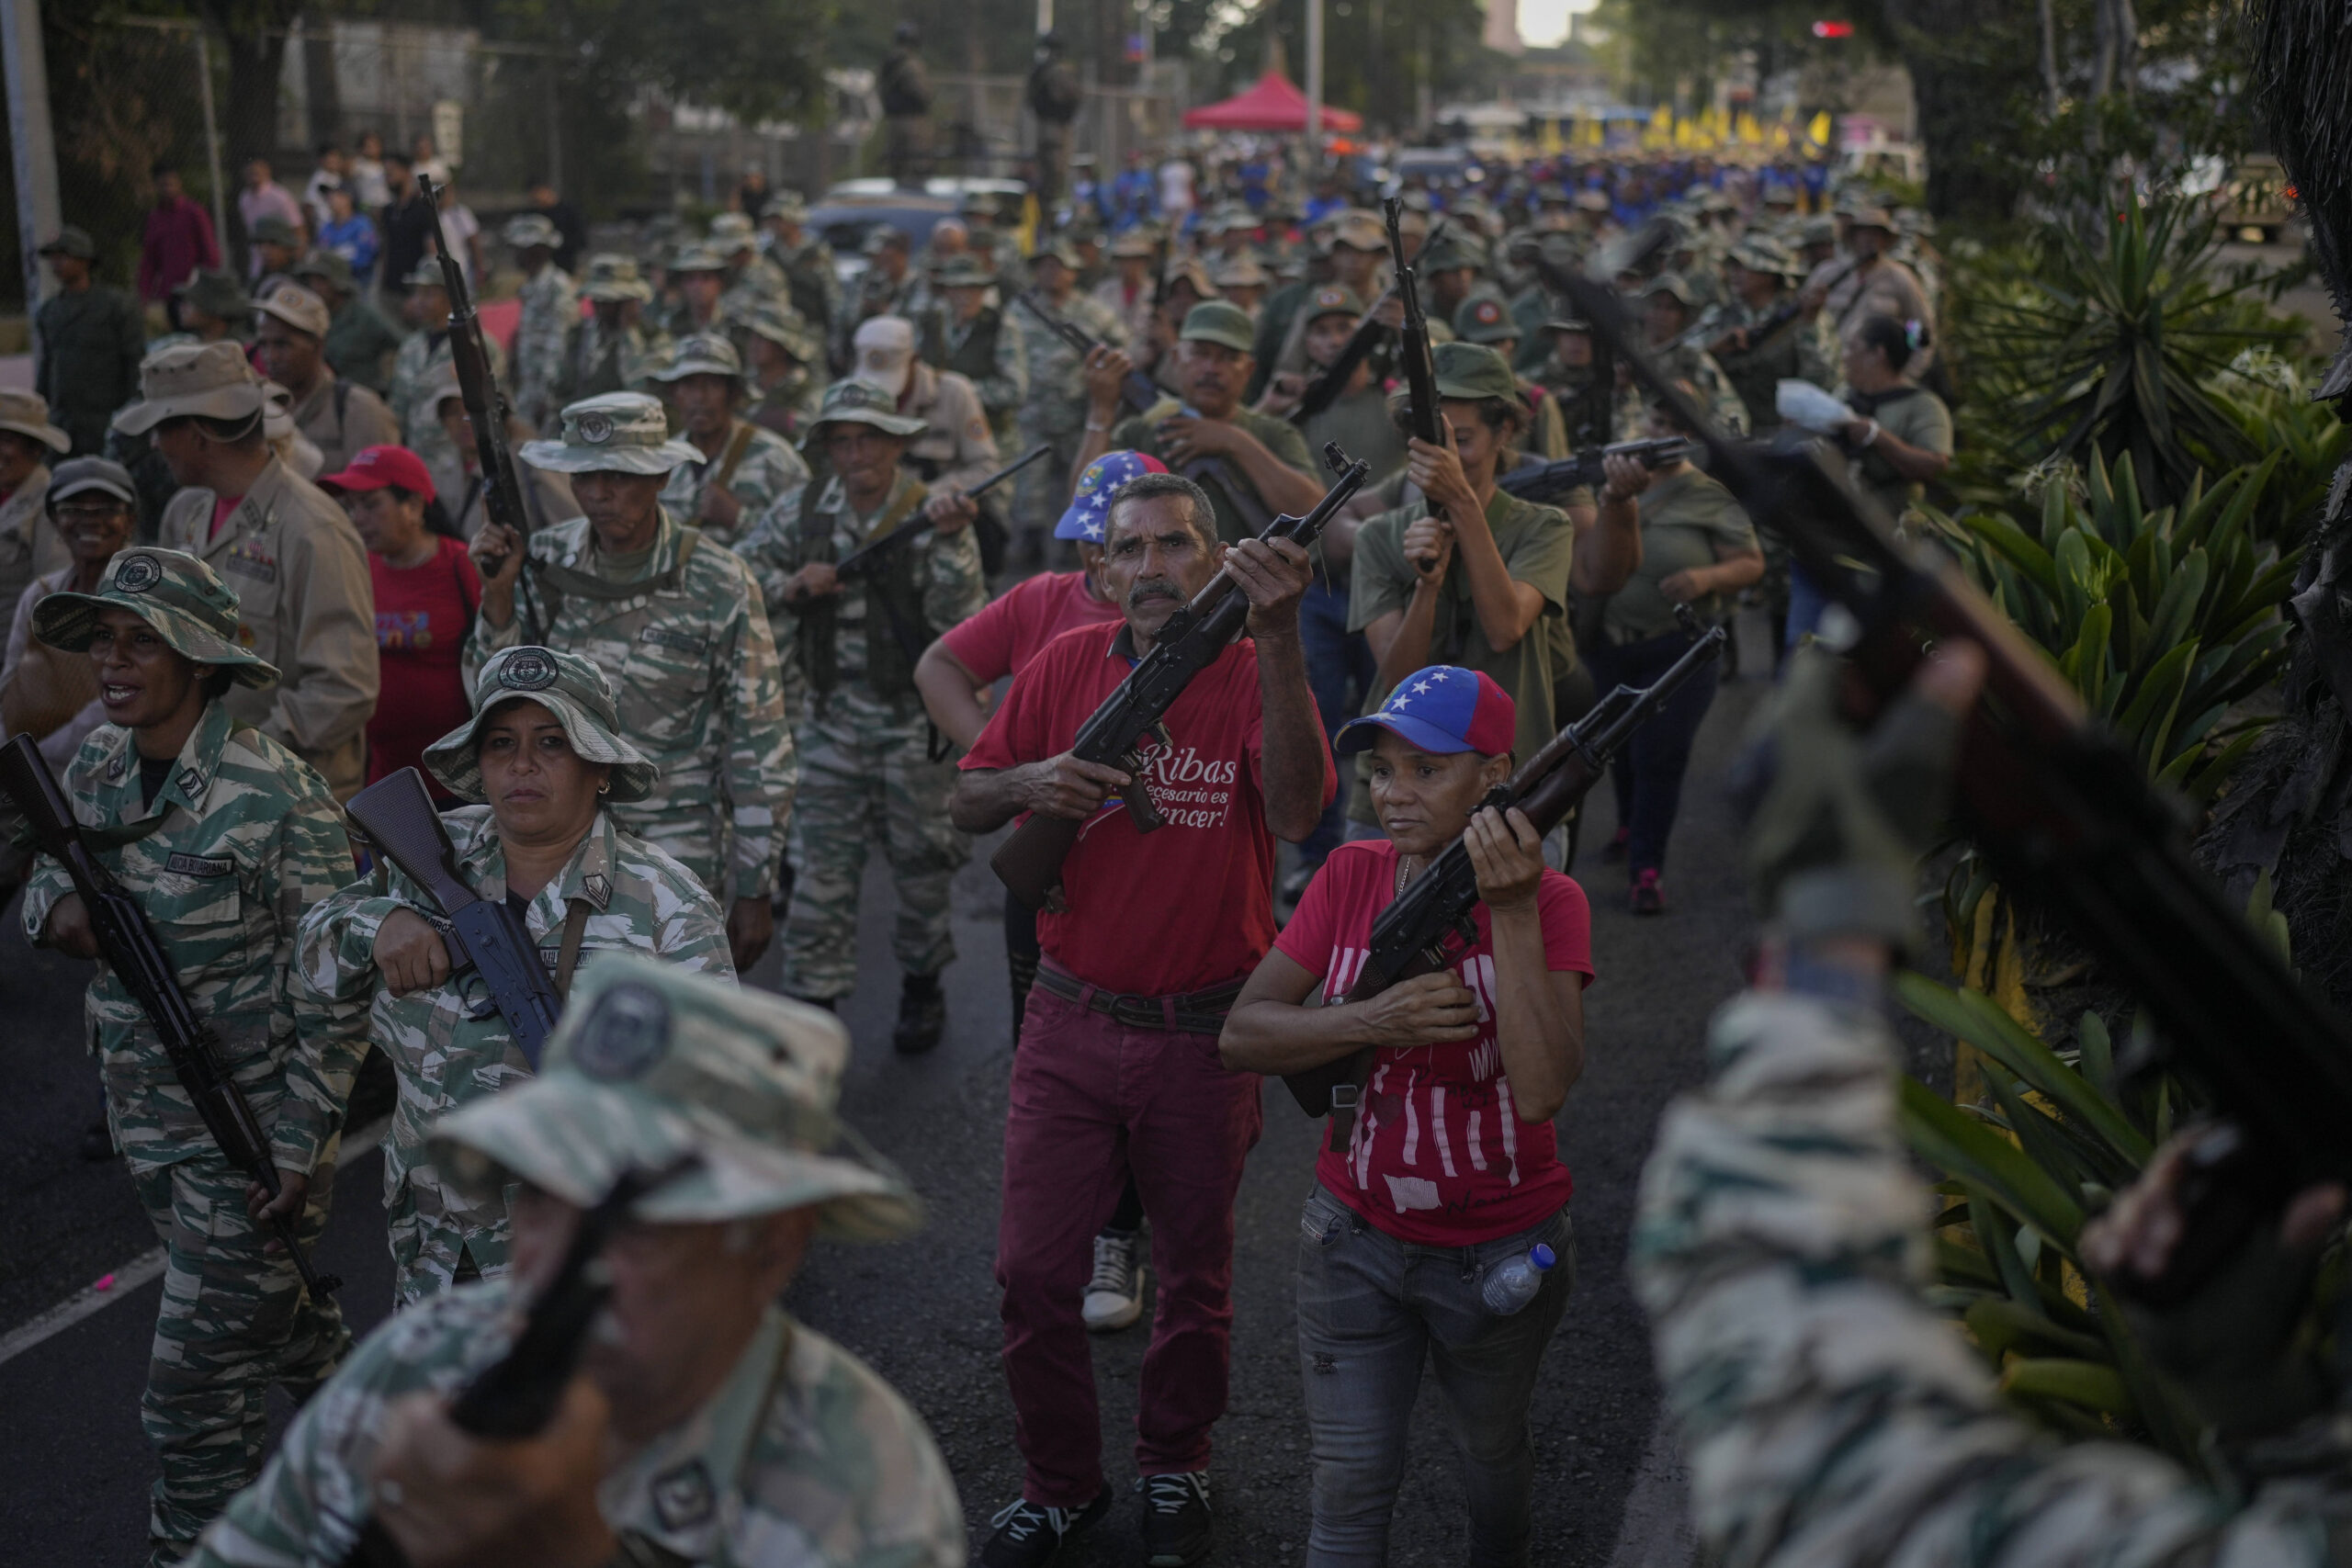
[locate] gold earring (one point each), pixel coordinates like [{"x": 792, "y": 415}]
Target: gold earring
[{"x": 605, "y": 788}]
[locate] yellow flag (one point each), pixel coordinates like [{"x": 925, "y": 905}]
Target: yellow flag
[
  {"x": 1750, "y": 131},
  {"x": 1820, "y": 130},
  {"x": 1780, "y": 139},
  {"x": 1548, "y": 141}
]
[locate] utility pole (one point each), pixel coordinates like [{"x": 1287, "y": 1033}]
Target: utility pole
[
  {"x": 33, "y": 141},
  {"x": 1315, "y": 84}
]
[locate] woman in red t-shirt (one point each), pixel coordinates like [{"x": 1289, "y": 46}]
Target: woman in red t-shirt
[
  {"x": 427, "y": 594},
  {"x": 1451, "y": 1186}
]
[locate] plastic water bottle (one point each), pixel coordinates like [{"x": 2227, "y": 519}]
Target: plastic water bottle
[{"x": 1514, "y": 1284}]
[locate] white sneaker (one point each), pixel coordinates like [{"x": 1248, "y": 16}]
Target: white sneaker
[{"x": 1115, "y": 1295}]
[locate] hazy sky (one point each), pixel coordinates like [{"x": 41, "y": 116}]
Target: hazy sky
[{"x": 1542, "y": 23}]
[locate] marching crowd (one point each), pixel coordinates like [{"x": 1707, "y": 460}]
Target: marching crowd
[{"x": 669, "y": 709}]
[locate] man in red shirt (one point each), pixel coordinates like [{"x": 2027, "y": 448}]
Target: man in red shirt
[
  {"x": 1117, "y": 1070},
  {"x": 177, "y": 241}
]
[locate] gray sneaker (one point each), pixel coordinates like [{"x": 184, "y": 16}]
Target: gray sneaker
[{"x": 1115, "y": 1295}]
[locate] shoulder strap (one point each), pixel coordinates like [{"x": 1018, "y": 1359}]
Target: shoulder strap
[
  {"x": 733, "y": 458},
  {"x": 575, "y": 926}
]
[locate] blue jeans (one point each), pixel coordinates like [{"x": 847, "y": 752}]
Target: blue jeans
[
  {"x": 1371, "y": 1311},
  {"x": 1648, "y": 773},
  {"x": 1337, "y": 661},
  {"x": 1806, "y": 604}
]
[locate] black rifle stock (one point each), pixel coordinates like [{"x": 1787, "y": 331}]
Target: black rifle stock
[
  {"x": 2067, "y": 817},
  {"x": 1790, "y": 308},
  {"x": 1542, "y": 481},
  {"x": 131, "y": 949},
  {"x": 868, "y": 556},
  {"x": 1420, "y": 374},
  {"x": 396, "y": 816},
  {"x": 1430, "y": 925},
  {"x": 1136, "y": 390},
  {"x": 1030, "y": 862},
  {"x": 1325, "y": 390}
]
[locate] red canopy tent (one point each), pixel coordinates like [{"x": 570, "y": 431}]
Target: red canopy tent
[{"x": 1271, "y": 105}]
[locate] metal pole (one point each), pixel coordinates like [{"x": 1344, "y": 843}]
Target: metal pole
[
  {"x": 212, "y": 142},
  {"x": 555, "y": 133},
  {"x": 1045, "y": 17},
  {"x": 35, "y": 145},
  {"x": 1314, "y": 84}
]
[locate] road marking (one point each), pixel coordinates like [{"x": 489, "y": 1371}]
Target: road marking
[{"x": 147, "y": 1265}]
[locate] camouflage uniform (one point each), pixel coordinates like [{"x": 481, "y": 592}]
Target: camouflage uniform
[
  {"x": 1717, "y": 397},
  {"x": 239, "y": 841},
  {"x": 990, "y": 351},
  {"x": 30, "y": 544},
  {"x": 814, "y": 287},
  {"x": 865, "y": 741},
  {"x": 802, "y": 1456},
  {"x": 762, "y": 472},
  {"x": 599, "y": 357},
  {"x": 634, "y": 899},
  {"x": 1055, "y": 411},
  {"x": 418, "y": 370},
  {"x": 550, "y": 309}
]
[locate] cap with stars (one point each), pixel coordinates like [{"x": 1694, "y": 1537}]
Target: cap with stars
[
  {"x": 1097, "y": 487},
  {"x": 1442, "y": 709}
]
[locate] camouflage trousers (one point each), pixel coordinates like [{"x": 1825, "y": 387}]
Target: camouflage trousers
[
  {"x": 234, "y": 1320},
  {"x": 433, "y": 1250},
  {"x": 865, "y": 774},
  {"x": 1041, "y": 491}
]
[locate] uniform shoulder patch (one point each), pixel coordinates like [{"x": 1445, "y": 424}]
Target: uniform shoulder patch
[{"x": 626, "y": 1034}]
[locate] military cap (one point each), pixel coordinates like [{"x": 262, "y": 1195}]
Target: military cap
[
  {"x": 1359, "y": 232},
  {"x": 1134, "y": 245},
  {"x": 696, "y": 256},
  {"x": 426, "y": 273},
  {"x": 1566, "y": 319},
  {"x": 297, "y": 308},
  {"x": 275, "y": 230},
  {"x": 71, "y": 242},
  {"x": 731, "y": 234},
  {"x": 623, "y": 433},
  {"x": 217, "y": 293},
  {"x": 1213, "y": 320},
  {"x": 191, "y": 609},
  {"x": 1870, "y": 218},
  {"x": 1761, "y": 253},
  {"x": 1194, "y": 271},
  {"x": 1482, "y": 318},
  {"x": 80, "y": 475},
  {"x": 1332, "y": 299},
  {"x": 211, "y": 380},
  {"x": 651, "y": 1067},
  {"x": 1670, "y": 283},
  {"x": 883, "y": 237},
  {"x": 1818, "y": 231},
  {"x": 1470, "y": 371},
  {"x": 532, "y": 230},
  {"x": 26, "y": 414},
  {"x": 785, "y": 204},
  {"x": 1780, "y": 196},
  {"x": 1448, "y": 254},
  {"x": 784, "y": 327},
  {"x": 330, "y": 267},
  {"x": 567, "y": 686},
  {"x": 1594, "y": 201},
  {"x": 853, "y": 401},
  {"x": 612, "y": 277},
  {"x": 1244, "y": 271},
  {"x": 702, "y": 353}
]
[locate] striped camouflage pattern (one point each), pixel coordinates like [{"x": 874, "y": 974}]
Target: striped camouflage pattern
[
  {"x": 641, "y": 901},
  {"x": 1828, "y": 1417},
  {"x": 769, "y": 470},
  {"x": 699, "y": 692},
  {"x": 804, "y": 1458},
  {"x": 599, "y": 359},
  {"x": 1055, "y": 412},
  {"x": 550, "y": 304},
  {"x": 419, "y": 369},
  {"x": 250, "y": 840}
]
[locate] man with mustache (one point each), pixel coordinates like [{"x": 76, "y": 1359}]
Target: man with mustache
[{"x": 1117, "y": 1068}]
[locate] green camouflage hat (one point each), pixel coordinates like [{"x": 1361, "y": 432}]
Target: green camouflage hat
[
  {"x": 1213, "y": 320},
  {"x": 532, "y": 228},
  {"x": 191, "y": 609},
  {"x": 330, "y": 266},
  {"x": 1244, "y": 271},
  {"x": 653, "y": 1065},
  {"x": 1761, "y": 252},
  {"x": 1482, "y": 318},
  {"x": 1818, "y": 231},
  {"x": 426, "y": 273},
  {"x": 785, "y": 327},
  {"x": 1059, "y": 248},
  {"x": 696, "y": 256},
  {"x": 963, "y": 272},
  {"x": 1670, "y": 283},
  {"x": 275, "y": 230},
  {"x": 612, "y": 277},
  {"x": 624, "y": 432},
  {"x": 1470, "y": 371},
  {"x": 702, "y": 354},
  {"x": 853, "y": 401},
  {"x": 566, "y": 685},
  {"x": 218, "y": 294},
  {"x": 731, "y": 234},
  {"x": 1449, "y": 254},
  {"x": 789, "y": 205}
]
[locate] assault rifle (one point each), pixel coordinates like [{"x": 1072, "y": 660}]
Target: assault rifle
[
  {"x": 1543, "y": 481},
  {"x": 131, "y": 949},
  {"x": 1790, "y": 308},
  {"x": 1431, "y": 924},
  {"x": 502, "y": 486},
  {"x": 2067, "y": 816},
  {"x": 1138, "y": 391},
  {"x": 1413, "y": 346},
  {"x": 1325, "y": 390},
  {"x": 1030, "y": 862},
  {"x": 396, "y": 816},
  {"x": 869, "y": 555}
]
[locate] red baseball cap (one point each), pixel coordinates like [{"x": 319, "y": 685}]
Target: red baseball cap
[{"x": 377, "y": 467}]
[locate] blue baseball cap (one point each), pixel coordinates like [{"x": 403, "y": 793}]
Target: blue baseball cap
[
  {"x": 1439, "y": 709},
  {"x": 1090, "y": 509}
]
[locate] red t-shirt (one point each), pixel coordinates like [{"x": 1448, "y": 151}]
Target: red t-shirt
[
  {"x": 1002, "y": 640},
  {"x": 422, "y": 615},
  {"x": 1438, "y": 1153},
  {"x": 1190, "y": 905}
]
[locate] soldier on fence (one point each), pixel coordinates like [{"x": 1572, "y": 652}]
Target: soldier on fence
[
  {"x": 88, "y": 340},
  {"x": 338, "y": 417},
  {"x": 225, "y": 837},
  {"x": 985, "y": 343},
  {"x": 550, "y": 303},
  {"x": 739, "y": 470},
  {"x": 614, "y": 349},
  {"x": 539, "y": 764},
  {"x": 416, "y": 372},
  {"x": 865, "y": 744},
  {"x": 676, "y": 625},
  {"x": 807, "y": 260},
  {"x": 905, "y": 90},
  {"x": 359, "y": 344},
  {"x": 1055, "y": 411},
  {"x": 1055, "y": 100}
]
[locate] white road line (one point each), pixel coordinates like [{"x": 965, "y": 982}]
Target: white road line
[{"x": 147, "y": 1266}]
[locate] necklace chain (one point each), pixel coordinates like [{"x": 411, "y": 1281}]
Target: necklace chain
[{"x": 1404, "y": 874}]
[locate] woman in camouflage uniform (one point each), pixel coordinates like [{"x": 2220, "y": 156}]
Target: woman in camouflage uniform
[{"x": 543, "y": 755}]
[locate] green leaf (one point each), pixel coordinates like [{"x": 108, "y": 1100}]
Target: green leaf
[
  {"x": 2094, "y": 1386},
  {"x": 1976, "y": 1017},
  {"x": 2097, "y": 1053},
  {"x": 2016, "y": 547},
  {"x": 1947, "y": 1138}
]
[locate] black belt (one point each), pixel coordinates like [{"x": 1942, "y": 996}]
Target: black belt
[{"x": 1196, "y": 1013}]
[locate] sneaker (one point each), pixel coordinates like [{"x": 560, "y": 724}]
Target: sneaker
[
  {"x": 1648, "y": 894},
  {"x": 1114, "y": 1296},
  {"x": 1176, "y": 1524},
  {"x": 923, "y": 1015},
  {"x": 1028, "y": 1534},
  {"x": 1615, "y": 849}
]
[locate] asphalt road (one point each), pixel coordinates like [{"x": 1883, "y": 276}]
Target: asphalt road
[{"x": 73, "y": 1468}]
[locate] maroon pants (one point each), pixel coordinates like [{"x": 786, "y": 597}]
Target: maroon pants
[{"x": 1092, "y": 1101}]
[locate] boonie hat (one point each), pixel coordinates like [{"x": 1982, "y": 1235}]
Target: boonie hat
[
  {"x": 1482, "y": 318},
  {"x": 1594, "y": 201},
  {"x": 624, "y": 432},
  {"x": 275, "y": 230},
  {"x": 1215, "y": 321},
  {"x": 26, "y": 414},
  {"x": 1133, "y": 246},
  {"x": 217, "y": 293},
  {"x": 702, "y": 353},
  {"x": 1442, "y": 709},
  {"x": 297, "y": 308},
  {"x": 1759, "y": 253},
  {"x": 653, "y": 1065},
  {"x": 333, "y": 266},
  {"x": 1871, "y": 218},
  {"x": 1244, "y": 271},
  {"x": 567, "y": 686},
  {"x": 376, "y": 467},
  {"x": 1057, "y": 249},
  {"x": 191, "y": 609},
  {"x": 1670, "y": 283},
  {"x": 853, "y": 401},
  {"x": 531, "y": 230},
  {"x": 963, "y": 272},
  {"x": 612, "y": 277},
  {"x": 1359, "y": 232},
  {"x": 212, "y": 380},
  {"x": 71, "y": 242},
  {"x": 784, "y": 326},
  {"x": 1098, "y": 487},
  {"x": 80, "y": 475},
  {"x": 1449, "y": 254},
  {"x": 426, "y": 273},
  {"x": 788, "y": 204},
  {"x": 695, "y": 256},
  {"x": 731, "y": 233}
]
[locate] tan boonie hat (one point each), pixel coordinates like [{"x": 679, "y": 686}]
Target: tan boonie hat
[
  {"x": 209, "y": 381},
  {"x": 1360, "y": 231},
  {"x": 531, "y": 230},
  {"x": 702, "y": 353},
  {"x": 853, "y": 401},
  {"x": 1134, "y": 245},
  {"x": 621, "y": 433},
  {"x": 297, "y": 308},
  {"x": 426, "y": 273},
  {"x": 784, "y": 327},
  {"x": 696, "y": 256},
  {"x": 612, "y": 277},
  {"x": 731, "y": 233},
  {"x": 191, "y": 609},
  {"x": 1242, "y": 272},
  {"x": 654, "y": 1064},
  {"x": 567, "y": 686},
  {"x": 26, "y": 414}
]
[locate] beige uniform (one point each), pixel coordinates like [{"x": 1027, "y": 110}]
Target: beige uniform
[
  {"x": 956, "y": 448},
  {"x": 30, "y": 544},
  {"x": 343, "y": 419},
  {"x": 305, "y": 604}
]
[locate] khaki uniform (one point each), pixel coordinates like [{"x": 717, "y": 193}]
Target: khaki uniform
[
  {"x": 30, "y": 544},
  {"x": 758, "y": 466},
  {"x": 305, "y": 604},
  {"x": 341, "y": 419},
  {"x": 956, "y": 446}
]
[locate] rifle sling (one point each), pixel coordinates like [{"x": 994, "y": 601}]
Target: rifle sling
[
  {"x": 738, "y": 446},
  {"x": 575, "y": 926},
  {"x": 561, "y": 580}
]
